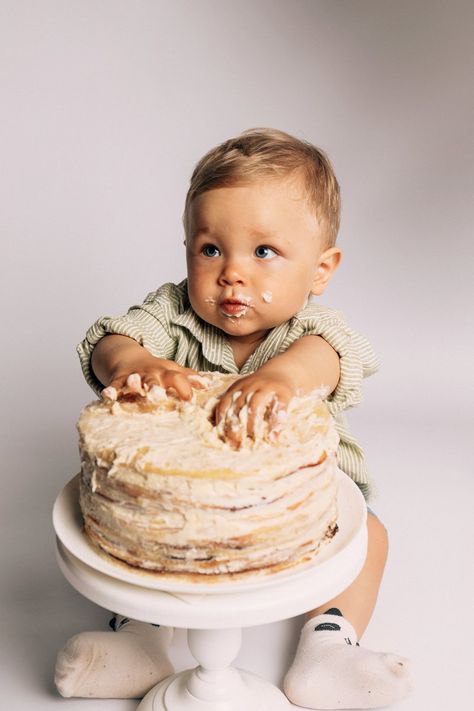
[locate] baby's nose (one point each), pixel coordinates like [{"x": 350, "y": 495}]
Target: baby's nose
[{"x": 231, "y": 274}]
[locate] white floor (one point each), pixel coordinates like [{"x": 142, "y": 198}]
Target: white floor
[{"x": 424, "y": 602}]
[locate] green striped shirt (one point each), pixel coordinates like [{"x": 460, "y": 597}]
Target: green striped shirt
[{"x": 166, "y": 325}]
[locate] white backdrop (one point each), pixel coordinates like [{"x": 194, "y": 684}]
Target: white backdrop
[{"x": 106, "y": 106}]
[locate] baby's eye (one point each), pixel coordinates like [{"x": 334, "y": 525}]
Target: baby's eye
[
  {"x": 264, "y": 252},
  {"x": 210, "y": 250}
]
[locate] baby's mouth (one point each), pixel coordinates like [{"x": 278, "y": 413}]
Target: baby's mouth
[{"x": 234, "y": 307}]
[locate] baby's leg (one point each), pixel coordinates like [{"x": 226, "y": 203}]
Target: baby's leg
[
  {"x": 357, "y": 602},
  {"x": 331, "y": 670},
  {"x": 123, "y": 664}
]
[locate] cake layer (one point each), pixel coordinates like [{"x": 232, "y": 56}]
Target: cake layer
[{"x": 161, "y": 490}]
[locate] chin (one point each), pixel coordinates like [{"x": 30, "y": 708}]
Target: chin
[{"x": 233, "y": 325}]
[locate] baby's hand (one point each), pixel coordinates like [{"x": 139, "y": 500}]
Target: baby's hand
[
  {"x": 266, "y": 396},
  {"x": 140, "y": 380}
]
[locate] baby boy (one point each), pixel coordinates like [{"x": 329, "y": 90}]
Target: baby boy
[{"x": 260, "y": 220}]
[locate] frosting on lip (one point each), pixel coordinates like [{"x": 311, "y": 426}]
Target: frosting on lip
[
  {"x": 236, "y": 305},
  {"x": 234, "y": 308}
]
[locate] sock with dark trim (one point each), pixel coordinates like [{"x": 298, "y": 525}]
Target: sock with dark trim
[{"x": 332, "y": 671}]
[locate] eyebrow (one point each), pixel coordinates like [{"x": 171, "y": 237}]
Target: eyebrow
[
  {"x": 200, "y": 230},
  {"x": 264, "y": 235},
  {"x": 253, "y": 233}
]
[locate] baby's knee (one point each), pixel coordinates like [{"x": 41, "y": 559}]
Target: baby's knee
[{"x": 378, "y": 534}]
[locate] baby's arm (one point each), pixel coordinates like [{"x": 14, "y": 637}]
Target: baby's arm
[
  {"x": 116, "y": 357},
  {"x": 308, "y": 363}
]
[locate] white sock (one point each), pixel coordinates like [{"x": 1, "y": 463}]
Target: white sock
[
  {"x": 331, "y": 670},
  {"x": 123, "y": 664}
]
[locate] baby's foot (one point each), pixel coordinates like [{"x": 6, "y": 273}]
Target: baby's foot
[
  {"x": 331, "y": 670},
  {"x": 114, "y": 665}
]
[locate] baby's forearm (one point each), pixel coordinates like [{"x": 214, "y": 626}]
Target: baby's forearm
[
  {"x": 308, "y": 363},
  {"x": 114, "y": 353},
  {"x": 115, "y": 358}
]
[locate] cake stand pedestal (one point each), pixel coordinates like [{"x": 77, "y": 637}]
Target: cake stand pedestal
[
  {"x": 214, "y": 684},
  {"x": 213, "y": 618}
]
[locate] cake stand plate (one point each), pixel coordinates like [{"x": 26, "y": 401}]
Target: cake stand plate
[{"x": 213, "y": 621}]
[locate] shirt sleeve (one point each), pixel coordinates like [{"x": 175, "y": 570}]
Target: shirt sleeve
[
  {"x": 357, "y": 358},
  {"x": 148, "y": 324}
]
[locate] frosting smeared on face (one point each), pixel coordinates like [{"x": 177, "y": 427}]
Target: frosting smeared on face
[
  {"x": 236, "y": 305},
  {"x": 267, "y": 296}
]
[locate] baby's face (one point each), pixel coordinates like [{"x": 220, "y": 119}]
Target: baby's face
[{"x": 252, "y": 255}]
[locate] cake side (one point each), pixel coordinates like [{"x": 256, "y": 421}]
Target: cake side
[{"x": 160, "y": 490}]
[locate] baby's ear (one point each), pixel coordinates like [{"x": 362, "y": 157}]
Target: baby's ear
[{"x": 326, "y": 266}]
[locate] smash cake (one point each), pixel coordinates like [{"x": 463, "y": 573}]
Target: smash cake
[{"x": 162, "y": 489}]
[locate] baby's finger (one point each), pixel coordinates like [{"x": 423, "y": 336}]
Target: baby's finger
[
  {"x": 124, "y": 387},
  {"x": 236, "y": 418},
  {"x": 198, "y": 381},
  {"x": 225, "y": 403},
  {"x": 172, "y": 380},
  {"x": 258, "y": 408},
  {"x": 226, "y": 419},
  {"x": 267, "y": 406},
  {"x": 117, "y": 383},
  {"x": 277, "y": 416},
  {"x": 233, "y": 435},
  {"x": 155, "y": 392},
  {"x": 150, "y": 381},
  {"x": 109, "y": 393},
  {"x": 134, "y": 383},
  {"x": 232, "y": 429},
  {"x": 188, "y": 371}
]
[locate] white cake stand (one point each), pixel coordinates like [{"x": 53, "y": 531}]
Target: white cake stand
[{"x": 213, "y": 615}]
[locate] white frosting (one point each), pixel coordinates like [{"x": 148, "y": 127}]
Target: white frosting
[
  {"x": 109, "y": 393},
  {"x": 134, "y": 382},
  {"x": 161, "y": 489},
  {"x": 157, "y": 394},
  {"x": 247, "y": 303}
]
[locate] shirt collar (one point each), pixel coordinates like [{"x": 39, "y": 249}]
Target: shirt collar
[{"x": 215, "y": 346}]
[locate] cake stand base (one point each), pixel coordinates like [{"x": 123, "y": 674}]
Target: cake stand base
[
  {"x": 242, "y": 691},
  {"x": 214, "y": 685}
]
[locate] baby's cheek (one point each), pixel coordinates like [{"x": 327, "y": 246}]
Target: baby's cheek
[{"x": 196, "y": 299}]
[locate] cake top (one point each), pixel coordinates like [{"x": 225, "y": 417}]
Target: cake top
[{"x": 155, "y": 433}]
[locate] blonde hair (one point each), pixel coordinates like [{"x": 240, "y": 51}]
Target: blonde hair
[{"x": 267, "y": 152}]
